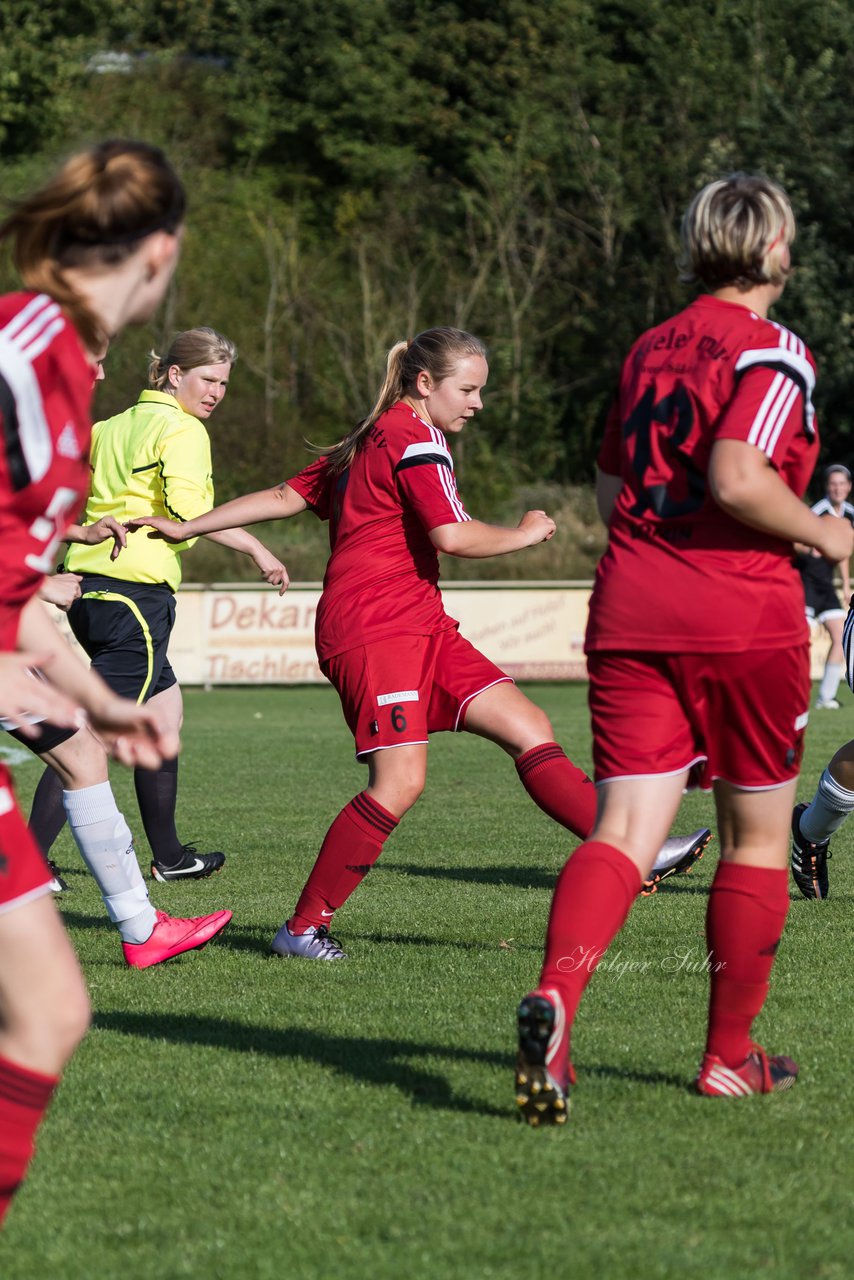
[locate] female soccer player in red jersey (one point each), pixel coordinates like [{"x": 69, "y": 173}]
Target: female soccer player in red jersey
[
  {"x": 383, "y": 637},
  {"x": 707, "y": 452},
  {"x": 95, "y": 248}
]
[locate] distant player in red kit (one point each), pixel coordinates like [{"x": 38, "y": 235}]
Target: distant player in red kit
[
  {"x": 708, "y": 450},
  {"x": 95, "y": 247},
  {"x": 384, "y": 640}
]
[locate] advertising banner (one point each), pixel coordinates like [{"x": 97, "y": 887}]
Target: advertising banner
[{"x": 236, "y": 634}]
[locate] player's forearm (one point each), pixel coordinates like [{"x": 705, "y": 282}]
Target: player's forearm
[
  {"x": 474, "y": 540},
  {"x": 252, "y": 508},
  {"x": 238, "y": 540}
]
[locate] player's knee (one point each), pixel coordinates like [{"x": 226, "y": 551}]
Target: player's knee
[
  {"x": 74, "y": 1020},
  {"x": 534, "y": 730},
  {"x": 46, "y": 1033}
]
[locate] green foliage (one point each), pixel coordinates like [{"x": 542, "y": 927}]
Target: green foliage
[{"x": 361, "y": 169}]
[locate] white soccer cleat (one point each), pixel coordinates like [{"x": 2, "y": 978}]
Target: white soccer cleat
[{"x": 314, "y": 944}]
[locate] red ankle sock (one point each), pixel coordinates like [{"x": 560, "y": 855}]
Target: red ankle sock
[
  {"x": 559, "y": 787},
  {"x": 351, "y": 847},
  {"x": 593, "y": 896},
  {"x": 744, "y": 922},
  {"x": 24, "y": 1098}
]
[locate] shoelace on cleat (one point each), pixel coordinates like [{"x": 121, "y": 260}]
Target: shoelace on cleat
[{"x": 324, "y": 936}]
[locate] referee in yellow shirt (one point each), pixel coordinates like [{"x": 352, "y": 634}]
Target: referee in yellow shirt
[{"x": 154, "y": 458}]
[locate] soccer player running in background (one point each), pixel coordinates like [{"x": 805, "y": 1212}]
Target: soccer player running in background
[
  {"x": 384, "y": 640},
  {"x": 95, "y": 247},
  {"x": 822, "y": 602},
  {"x": 156, "y": 456},
  {"x": 708, "y": 450}
]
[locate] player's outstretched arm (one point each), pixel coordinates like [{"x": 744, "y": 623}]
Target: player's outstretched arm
[
  {"x": 474, "y": 540},
  {"x": 745, "y": 484},
  {"x": 267, "y": 504},
  {"x": 132, "y": 734},
  {"x": 270, "y": 567}
]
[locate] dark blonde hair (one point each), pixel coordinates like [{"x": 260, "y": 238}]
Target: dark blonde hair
[
  {"x": 92, "y": 213},
  {"x": 190, "y": 350},
  {"x": 435, "y": 351},
  {"x": 735, "y": 232}
]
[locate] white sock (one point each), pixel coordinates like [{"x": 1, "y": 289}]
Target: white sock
[
  {"x": 833, "y": 673},
  {"x": 106, "y": 846},
  {"x": 829, "y": 808}
]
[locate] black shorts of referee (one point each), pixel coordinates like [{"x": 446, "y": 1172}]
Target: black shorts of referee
[
  {"x": 819, "y": 592},
  {"x": 124, "y": 627}
]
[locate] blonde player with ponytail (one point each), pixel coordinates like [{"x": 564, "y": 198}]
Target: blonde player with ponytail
[{"x": 384, "y": 640}]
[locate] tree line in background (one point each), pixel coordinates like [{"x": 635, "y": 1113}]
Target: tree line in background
[{"x": 362, "y": 169}]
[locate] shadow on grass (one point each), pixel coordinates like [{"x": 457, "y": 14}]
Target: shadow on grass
[
  {"x": 521, "y": 877},
  {"x": 254, "y": 939},
  {"x": 421, "y": 940},
  {"x": 605, "y": 1072},
  {"x": 376, "y": 1062}
]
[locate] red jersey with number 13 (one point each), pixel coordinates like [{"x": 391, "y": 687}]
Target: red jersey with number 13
[
  {"x": 45, "y": 393},
  {"x": 679, "y": 574}
]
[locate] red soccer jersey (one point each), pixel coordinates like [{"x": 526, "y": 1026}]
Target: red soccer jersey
[
  {"x": 679, "y": 574},
  {"x": 45, "y": 392},
  {"x": 382, "y": 577}
]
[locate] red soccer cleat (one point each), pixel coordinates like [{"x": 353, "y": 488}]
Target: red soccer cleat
[
  {"x": 172, "y": 937},
  {"x": 543, "y": 1070},
  {"x": 757, "y": 1074}
]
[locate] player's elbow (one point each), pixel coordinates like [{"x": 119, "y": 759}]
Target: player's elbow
[
  {"x": 449, "y": 538},
  {"x": 735, "y": 470}
]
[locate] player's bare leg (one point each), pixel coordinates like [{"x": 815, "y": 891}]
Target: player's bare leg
[
  {"x": 504, "y": 715},
  {"x": 834, "y": 667}
]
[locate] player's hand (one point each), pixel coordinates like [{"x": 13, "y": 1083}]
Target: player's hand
[
  {"x": 133, "y": 735},
  {"x": 105, "y": 528},
  {"x": 61, "y": 590},
  {"x": 23, "y": 696},
  {"x": 836, "y": 539},
  {"x": 171, "y": 530},
  {"x": 272, "y": 570},
  {"x": 540, "y": 526}
]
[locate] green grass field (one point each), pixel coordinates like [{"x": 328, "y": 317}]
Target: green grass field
[{"x": 233, "y": 1115}]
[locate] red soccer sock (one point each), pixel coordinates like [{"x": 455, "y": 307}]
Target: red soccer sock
[
  {"x": 593, "y": 896},
  {"x": 24, "y": 1098},
  {"x": 744, "y": 922},
  {"x": 351, "y": 847},
  {"x": 559, "y": 787}
]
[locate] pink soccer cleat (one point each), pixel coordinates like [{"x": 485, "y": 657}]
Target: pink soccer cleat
[{"x": 172, "y": 937}]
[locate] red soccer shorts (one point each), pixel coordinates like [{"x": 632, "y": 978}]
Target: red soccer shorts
[
  {"x": 23, "y": 871},
  {"x": 397, "y": 691},
  {"x": 739, "y": 717}
]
